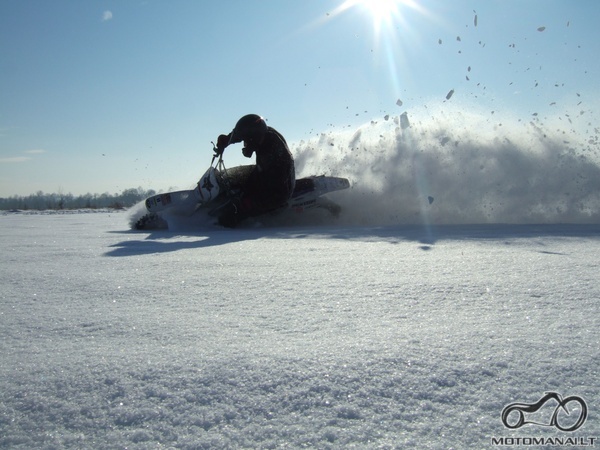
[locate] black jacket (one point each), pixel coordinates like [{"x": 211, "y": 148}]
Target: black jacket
[
  {"x": 273, "y": 157},
  {"x": 272, "y": 181}
]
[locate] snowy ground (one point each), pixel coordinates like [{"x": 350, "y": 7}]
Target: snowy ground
[{"x": 288, "y": 337}]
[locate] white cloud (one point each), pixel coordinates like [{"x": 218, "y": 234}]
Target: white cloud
[
  {"x": 107, "y": 15},
  {"x": 36, "y": 151},
  {"x": 14, "y": 159},
  {"x": 22, "y": 159}
]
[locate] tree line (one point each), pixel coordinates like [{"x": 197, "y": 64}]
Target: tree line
[{"x": 43, "y": 201}]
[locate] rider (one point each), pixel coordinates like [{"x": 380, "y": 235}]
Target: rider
[{"x": 272, "y": 180}]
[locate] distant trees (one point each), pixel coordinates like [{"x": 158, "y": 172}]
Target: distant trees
[{"x": 42, "y": 201}]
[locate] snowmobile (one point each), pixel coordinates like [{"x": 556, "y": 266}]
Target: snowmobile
[{"x": 219, "y": 184}]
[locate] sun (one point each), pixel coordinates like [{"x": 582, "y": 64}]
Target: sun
[
  {"x": 388, "y": 18},
  {"x": 381, "y": 11}
]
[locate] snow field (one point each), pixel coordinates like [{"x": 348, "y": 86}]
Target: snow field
[{"x": 290, "y": 337}]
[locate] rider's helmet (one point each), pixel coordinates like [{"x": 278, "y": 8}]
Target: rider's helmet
[{"x": 251, "y": 128}]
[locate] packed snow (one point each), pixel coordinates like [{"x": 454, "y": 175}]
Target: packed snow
[{"x": 329, "y": 336}]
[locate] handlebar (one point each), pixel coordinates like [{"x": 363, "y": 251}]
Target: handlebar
[{"x": 216, "y": 154}]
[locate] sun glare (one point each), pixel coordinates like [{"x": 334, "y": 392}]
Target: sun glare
[
  {"x": 381, "y": 11},
  {"x": 393, "y": 32}
]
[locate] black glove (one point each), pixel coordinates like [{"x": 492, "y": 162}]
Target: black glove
[
  {"x": 247, "y": 152},
  {"x": 222, "y": 143}
]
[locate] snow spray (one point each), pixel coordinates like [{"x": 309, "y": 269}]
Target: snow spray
[{"x": 458, "y": 166}]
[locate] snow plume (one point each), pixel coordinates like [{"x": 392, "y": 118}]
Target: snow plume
[{"x": 440, "y": 167}]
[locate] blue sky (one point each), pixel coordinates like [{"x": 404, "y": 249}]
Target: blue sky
[{"x": 100, "y": 96}]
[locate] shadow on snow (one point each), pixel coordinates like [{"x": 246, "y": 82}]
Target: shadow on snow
[{"x": 425, "y": 236}]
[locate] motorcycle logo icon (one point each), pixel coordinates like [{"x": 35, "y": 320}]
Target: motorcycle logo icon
[{"x": 574, "y": 419}]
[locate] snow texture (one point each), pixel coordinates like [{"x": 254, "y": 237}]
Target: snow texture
[{"x": 405, "y": 336}]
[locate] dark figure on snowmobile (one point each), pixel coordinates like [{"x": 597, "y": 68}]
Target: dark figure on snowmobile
[{"x": 271, "y": 181}]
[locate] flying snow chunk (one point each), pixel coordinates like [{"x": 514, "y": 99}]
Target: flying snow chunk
[
  {"x": 106, "y": 16},
  {"x": 404, "y": 123},
  {"x": 399, "y": 102},
  {"x": 450, "y": 94},
  {"x": 540, "y": 29}
]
